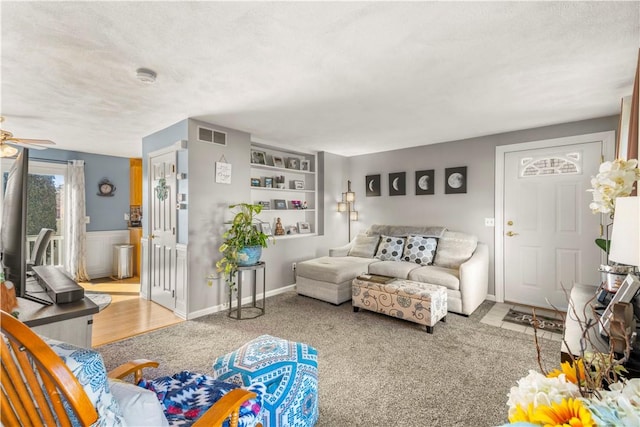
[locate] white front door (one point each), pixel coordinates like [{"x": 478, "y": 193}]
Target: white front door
[
  {"x": 162, "y": 195},
  {"x": 548, "y": 230}
]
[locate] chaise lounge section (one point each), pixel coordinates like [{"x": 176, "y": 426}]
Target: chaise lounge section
[{"x": 426, "y": 254}]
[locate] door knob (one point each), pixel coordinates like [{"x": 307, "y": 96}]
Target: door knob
[
  {"x": 509, "y": 222},
  {"x": 511, "y": 233},
  {"x": 151, "y": 236}
]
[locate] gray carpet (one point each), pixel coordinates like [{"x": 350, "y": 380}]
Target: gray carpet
[{"x": 373, "y": 370}]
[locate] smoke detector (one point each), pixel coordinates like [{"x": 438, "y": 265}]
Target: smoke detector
[{"x": 146, "y": 75}]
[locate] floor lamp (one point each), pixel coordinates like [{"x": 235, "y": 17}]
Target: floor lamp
[{"x": 348, "y": 205}]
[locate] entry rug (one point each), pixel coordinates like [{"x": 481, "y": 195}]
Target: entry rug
[{"x": 544, "y": 323}]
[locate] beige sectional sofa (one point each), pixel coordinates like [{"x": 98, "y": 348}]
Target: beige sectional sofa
[{"x": 432, "y": 255}]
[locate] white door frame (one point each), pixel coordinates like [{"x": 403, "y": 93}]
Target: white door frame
[{"x": 608, "y": 138}]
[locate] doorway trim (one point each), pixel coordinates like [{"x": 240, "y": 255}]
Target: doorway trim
[{"x": 608, "y": 139}]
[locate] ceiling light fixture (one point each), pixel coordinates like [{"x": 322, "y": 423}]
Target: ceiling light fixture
[
  {"x": 146, "y": 75},
  {"x": 7, "y": 150}
]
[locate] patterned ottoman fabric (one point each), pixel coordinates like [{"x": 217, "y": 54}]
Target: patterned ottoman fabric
[
  {"x": 422, "y": 303},
  {"x": 185, "y": 396},
  {"x": 289, "y": 370}
]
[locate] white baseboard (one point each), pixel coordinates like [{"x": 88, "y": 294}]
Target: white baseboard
[{"x": 225, "y": 306}]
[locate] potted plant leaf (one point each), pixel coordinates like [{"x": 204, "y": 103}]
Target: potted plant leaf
[{"x": 243, "y": 241}]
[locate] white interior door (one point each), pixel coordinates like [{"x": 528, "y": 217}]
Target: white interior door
[
  {"x": 162, "y": 195},
  {"x": 548, "y": 231}
]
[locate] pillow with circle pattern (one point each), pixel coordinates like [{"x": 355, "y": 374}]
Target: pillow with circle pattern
[
  {"x": 420, "y": 249},
  {"x": 390, "y": 248}
]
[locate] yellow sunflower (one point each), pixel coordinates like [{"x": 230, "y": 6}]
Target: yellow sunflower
[
  {"x": 521, "y": 415},
  {"x": 568, "y": 413},
  {"x": 569, "y": 371}
]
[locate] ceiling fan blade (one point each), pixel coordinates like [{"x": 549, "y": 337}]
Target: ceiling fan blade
[
  {"x": 20, "y": 143},
  {"x": 33, "y": 141}
]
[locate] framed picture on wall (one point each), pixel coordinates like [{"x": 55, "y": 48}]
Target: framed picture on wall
[
  {"x": 397, "y": 184},
  {"x": 372, "y": 183},
  {"x": 305, "y": 165},
  {"x": 425, "y": 182},
  {"x": 455, "y": 180}
]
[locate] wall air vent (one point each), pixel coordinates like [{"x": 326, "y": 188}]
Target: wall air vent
[{"x": 211, "y": 136}]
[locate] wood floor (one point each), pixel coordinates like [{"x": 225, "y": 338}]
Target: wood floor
[{"x": 128, "y": 314}]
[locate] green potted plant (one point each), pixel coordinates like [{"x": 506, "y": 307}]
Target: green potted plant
[{"x": 243, "y": 241}]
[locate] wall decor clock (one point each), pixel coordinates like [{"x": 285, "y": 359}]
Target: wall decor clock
[{"x": 106, "y": 188}]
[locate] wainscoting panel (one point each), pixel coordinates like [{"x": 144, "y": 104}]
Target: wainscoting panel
[
  {"x": 144, "y": 268},
  {"x": 182, "y": 279},
  {"x": 100, "y": 251}
]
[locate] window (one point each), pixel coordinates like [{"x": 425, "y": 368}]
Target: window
[
  {"x": 45, "y": 205},
  {"x": 570, "y": 163}
]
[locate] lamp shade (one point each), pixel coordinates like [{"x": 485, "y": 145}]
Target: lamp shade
[
  {"x": 342, "y": 207},
  {"x": 625, "y": 237}
]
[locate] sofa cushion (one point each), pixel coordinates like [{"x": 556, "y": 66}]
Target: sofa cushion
[
  {"x": 390, "y": 248},
  {"x": 333, "y": 269},
  {"x": 449, "y": 278},
  {"x": 420, "y": 249},
  {"x": 364, "y": 246},
  {"x": 399, "y": 269},
  {"x": 454, "y": 248}
]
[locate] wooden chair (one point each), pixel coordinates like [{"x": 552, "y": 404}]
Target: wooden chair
[{"x": 36, "y": 399}]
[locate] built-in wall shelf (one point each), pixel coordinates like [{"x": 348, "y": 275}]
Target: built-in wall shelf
[
  {"x": 271, "y": 184},
  {"x": 288, "y": 190},
  {"x": 278, "y": 169}
]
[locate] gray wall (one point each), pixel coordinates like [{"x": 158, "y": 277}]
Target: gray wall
[
  {"x": 460, "y": 212},
  {"x": 106, "y": 213},
  {"x": 208, "y": 210}
]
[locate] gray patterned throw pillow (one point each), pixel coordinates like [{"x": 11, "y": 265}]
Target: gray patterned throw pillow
[
  {"x": 390, "y": 248},
  {"x": 420, "y": 249}
]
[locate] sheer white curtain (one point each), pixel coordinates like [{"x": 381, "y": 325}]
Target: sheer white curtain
[{"x": 75, "y": 222}]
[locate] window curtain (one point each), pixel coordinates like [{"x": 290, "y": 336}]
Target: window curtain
[{"x": 76, "y": 227}]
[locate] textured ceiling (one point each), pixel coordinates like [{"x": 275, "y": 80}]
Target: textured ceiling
[{"x": 348, "y": 78}]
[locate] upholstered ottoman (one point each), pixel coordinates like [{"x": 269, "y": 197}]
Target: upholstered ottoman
[
  {"x": 289, "y": 370},
  {"x": 417, "y": 302}
]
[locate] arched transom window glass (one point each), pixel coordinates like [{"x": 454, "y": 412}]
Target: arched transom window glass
[{"x": 556, "y": 164}]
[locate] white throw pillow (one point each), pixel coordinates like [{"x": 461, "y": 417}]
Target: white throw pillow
[
  {"x": 364, "y": 246},
  {"x": 139, "y": 406}
]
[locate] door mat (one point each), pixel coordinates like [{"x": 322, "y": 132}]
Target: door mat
[{"x": 544, "y": 323}]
